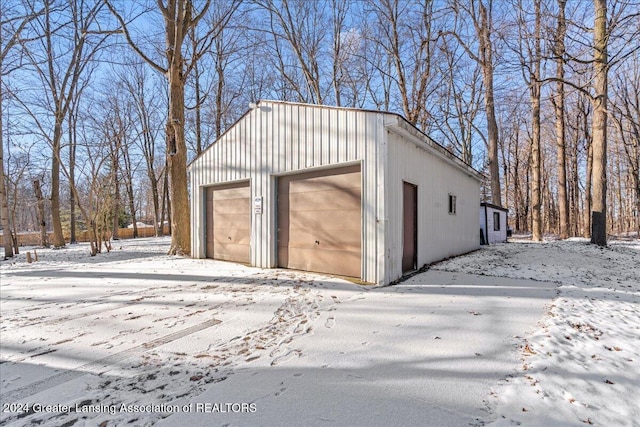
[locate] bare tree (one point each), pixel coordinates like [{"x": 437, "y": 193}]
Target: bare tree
[
  {"x": 44, "y": 239},
  {"x": 599, "y": 178},
  {"x": 626, "y": 117},
  {"x": 459, "y": 102},
  {"x": 558, "y": 101},
  {"x": 298, "y": 31},
  {"x": 405, "y": 32},
  {"x": 60, "y": 63},
  {"x": 536, "y": 167},
  {"x": 12, "y": 24},
  {"x": 179, "y": 16},
  {"x": 480, "y": 13},
  {"x": 137, "y": 84}
]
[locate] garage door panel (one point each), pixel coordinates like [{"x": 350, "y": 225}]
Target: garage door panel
[
  {"x": 227, "y": 235},
  {"x": 231, "y": 206},
  {"x": 229, "y": 222},
  {"x": 351, "y": 181},
  {"x": 232, "y": 252},
  {"x": 344, "y": 263},
  {"x": 327, "y": 240},
  {"x": 345, "y": 220},
  {"x": 319, "y": 200},
  {"x": 319, "y": 221},
  {"x": 224, "y": 193},
  {"x": 232, "y": 220},
  {"x": 348, "y": 177}
]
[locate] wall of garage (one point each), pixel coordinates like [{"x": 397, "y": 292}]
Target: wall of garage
[
  {"x": 440, "y": 234},
  {"x": 278, "y": 138}
]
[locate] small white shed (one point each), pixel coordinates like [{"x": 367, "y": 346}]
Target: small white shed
[
  {"x": 335, "y": 190},
  {"x": 493, "y": 224}
]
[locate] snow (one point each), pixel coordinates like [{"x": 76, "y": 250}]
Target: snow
[{"x": 517, "y": 333}]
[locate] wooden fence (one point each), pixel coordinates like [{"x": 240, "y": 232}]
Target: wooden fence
[{"x": 33, "y": 238}]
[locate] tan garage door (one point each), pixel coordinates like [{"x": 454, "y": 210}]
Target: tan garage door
[
  {"x": 229, "y": 222},
  {"x": 319, "y": 217}
]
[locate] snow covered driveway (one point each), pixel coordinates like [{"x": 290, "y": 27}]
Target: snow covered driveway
[{"x": 138, "y": 337}]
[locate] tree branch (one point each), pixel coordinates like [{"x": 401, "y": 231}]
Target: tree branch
[{"x": 125, "y": 31}]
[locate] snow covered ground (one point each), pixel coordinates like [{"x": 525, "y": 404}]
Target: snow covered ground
[{"x": 520, "y": 333}]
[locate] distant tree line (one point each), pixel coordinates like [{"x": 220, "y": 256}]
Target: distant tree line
[{"x": 105, "y": 101}]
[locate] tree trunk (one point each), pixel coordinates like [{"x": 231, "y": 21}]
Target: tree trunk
[
  {"x": 486, "y": 48},
  {"x": 115, "y": 213},
  {"x": 219, "y": 88},
  {"x": 129, "y": 188},
  {"x": 563, "y": 204},
  {"x": 588, "y": 138},
  {"x": 198, "y": 95},
  {"x": 166, "y": 201},
  {"x": 132, "y": 204},
  {"x": 517, "y": 193},
  {"x": 4, "y": 200},
  {"x": 536, "y": 187},
  {"x": 58, "y": 237},
  {"x": 599, "y": 124},
  {"x": 44, "y": 240},
  {"x": 575, "y": 219},
  {"x": 177, "y": 162},
  {"x": 72, "y": 182}
]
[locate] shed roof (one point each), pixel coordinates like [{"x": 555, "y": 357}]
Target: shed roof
[{"x": 491, "y": 205}]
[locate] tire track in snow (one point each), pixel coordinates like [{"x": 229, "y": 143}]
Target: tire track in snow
[{"x": 101, "y": 365}]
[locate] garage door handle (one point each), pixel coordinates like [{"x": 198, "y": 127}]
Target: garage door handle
[
  {"x": 317, "y": 242},
  {"x": 229, "y": 237}
]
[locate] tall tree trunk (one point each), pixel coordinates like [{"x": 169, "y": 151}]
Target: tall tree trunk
[
  {"x": 177, "y": 162},
  {"x": 165, "y": 196},
  {"x": 4, "y": 200},
  {"x": 115, "y": 213},
  {"x": 575, "y": 219},
  {"x": 72, "y": 181},
  {"x": 219, "y": 87},
  {"x": 599, "y": 188},
  {"x": 56, "y": 222},
  {"x": 166, "y": 200},
  {"x": 198, "y": 95},
  {"x": 536, "y": 187},
  {"x": 44, "y": 240},
  {"x": 517, "y": 193},
  {"x": 586, "y": 231},
  {"x": 129, "y": 187},
  {"x": 486, "y": 48},
  {"x": 563, "y": 203}
]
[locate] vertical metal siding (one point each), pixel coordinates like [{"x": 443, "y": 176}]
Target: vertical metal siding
[
  {"x": 440, "y": 234},
  {"x": 277, "y": 138}
]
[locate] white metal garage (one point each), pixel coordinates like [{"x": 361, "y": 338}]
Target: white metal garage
[{"x": 343, "y": 191}]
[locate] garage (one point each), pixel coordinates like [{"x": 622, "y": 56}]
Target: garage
[
  {"x": 343, "y": 191},
  {"x": 228, "y": 227},
  {"x": 319, "y": 221}
]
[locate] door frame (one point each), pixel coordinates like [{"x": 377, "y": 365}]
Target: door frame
[
  {"x": 205, "y": 212},
  {"x": 407, "y": 186}
]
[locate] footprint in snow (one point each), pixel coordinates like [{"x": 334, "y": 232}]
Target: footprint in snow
[
  {"x": 330, "y": 323},
  {"x": 286, "y": 357}
]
